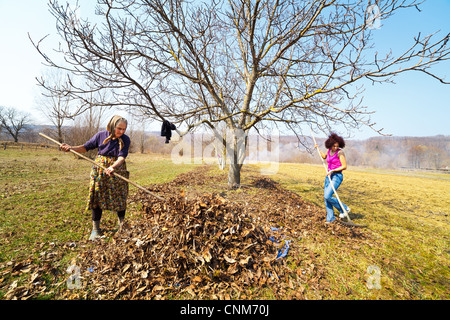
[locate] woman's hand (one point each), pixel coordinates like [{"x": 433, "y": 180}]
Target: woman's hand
[
  {"x": 65, "y": 147},
  {"x": 109, "y": 171}
]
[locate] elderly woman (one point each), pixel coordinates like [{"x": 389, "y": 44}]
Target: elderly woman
[
  {"x": 107, "y": 192},
  {"x": 336, "y": 164}
]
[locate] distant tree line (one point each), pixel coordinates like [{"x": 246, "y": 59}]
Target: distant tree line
[
  {"x": 17, "y": 126},
  {"x": 378, "y": 152},
  {"x": 383, "y": 152}
]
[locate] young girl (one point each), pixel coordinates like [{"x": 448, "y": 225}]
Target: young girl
[
  {"x": 336, "y": 164},
  {"x": 107, "y": 192}
]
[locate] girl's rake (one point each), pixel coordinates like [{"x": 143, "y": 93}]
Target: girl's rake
[{"x": 349, "y": 222}]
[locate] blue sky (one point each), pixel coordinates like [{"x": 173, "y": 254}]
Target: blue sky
[{"x": 416, "y": 105}]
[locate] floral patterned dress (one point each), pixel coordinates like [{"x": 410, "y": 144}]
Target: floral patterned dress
[{"x": 108, "y": 192}]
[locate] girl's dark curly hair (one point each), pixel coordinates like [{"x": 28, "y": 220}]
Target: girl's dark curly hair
[{"x": 332, "y": 139}]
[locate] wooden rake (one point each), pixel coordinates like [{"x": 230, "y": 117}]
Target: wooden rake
[
  {"x": 100, "y": 166},
  {"x": 349, "y": 222}
]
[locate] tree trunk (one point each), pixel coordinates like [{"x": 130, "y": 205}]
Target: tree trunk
[
  {"x": 60, "y": 134},
  {"x": 234, "y": 176},
  {"x": 236, "y": 145}
]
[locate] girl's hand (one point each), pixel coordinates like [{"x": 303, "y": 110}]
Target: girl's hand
[{"x": 330, "y": 172}]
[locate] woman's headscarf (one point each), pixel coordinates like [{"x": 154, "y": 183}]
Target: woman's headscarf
[{"x": 111, "y": 127}]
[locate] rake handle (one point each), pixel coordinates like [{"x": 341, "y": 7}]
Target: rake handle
[
  {"x": 102, "y": 167},
  {"x": 331, "y": 182}
]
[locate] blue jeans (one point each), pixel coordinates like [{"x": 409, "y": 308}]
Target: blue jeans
[{"x": 331, "y": 201}]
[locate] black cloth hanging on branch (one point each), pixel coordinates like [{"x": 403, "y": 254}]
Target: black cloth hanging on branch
[{"x": 166, "y": 130}]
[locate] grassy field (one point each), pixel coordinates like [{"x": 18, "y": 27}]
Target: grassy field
[
  {"x": 44, "y": 196},
  {"x": 45, "y": 193},
  {"x": 408, "y": 218}
]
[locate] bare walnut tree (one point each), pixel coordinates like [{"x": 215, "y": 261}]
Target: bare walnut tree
[{"x": 247, "y": 64}]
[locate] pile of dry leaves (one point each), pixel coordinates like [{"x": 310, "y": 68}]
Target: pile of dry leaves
[{"x": 207, "y": 247}]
